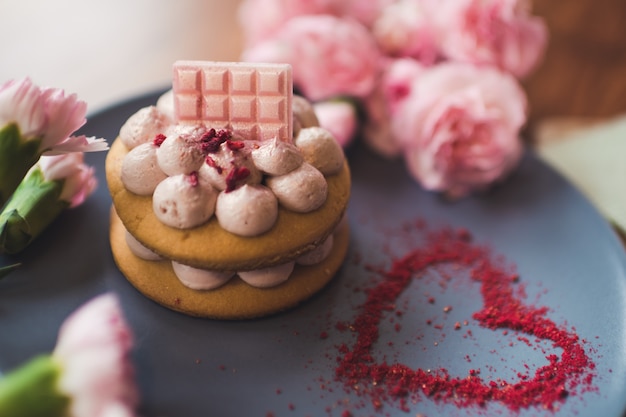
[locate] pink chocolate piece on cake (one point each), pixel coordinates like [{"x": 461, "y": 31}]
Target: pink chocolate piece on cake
[{"x": 253, "y": 100}]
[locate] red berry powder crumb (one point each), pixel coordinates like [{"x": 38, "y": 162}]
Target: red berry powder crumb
[
  {"x": 159, "y": 139},
  {"x": 568, "y": 373},
  {"x": 211, "y": 140},
  {"x": 235, "y": 176}
]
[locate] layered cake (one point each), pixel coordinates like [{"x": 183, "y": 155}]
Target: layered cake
[{"x": 228, "y": 198}]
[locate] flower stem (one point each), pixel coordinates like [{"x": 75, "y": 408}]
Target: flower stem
[{"x": 31, "y": 390}]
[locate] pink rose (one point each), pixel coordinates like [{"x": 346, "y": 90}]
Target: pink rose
[
  {"x": 397, "y": 81},
  {"x": 260, "y": 19},
  {"x": 339, "y": 118},
  {"x": 365, "y": 11},
  {"x": 393, "y": 88},
  {"x": 405, "y": 29},
  {"x": 460, "y": 127},
  {"x": 330, "y": 56},
  {"x": 493, "y": 32}
]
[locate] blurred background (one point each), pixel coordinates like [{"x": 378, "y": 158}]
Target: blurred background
[{"x": 107, "y": 51}]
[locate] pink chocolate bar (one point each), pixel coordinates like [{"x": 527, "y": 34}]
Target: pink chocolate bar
[{"x": 253, "y": 100}]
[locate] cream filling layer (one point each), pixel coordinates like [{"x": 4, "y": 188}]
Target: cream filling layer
[{"x": 205, "y": 279}]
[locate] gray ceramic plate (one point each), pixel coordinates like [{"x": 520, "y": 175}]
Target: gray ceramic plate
[{"x": 568, "y": 258}]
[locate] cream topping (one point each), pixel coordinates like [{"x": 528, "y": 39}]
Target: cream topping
[
  {"x": 162, "y": 149},
  {"x": 303, "y": 114},
  {"x": 320, "y": 149},
  {"x": 250, "y": 210},
  {"x": 140, "y": 171},
  {"x": 180, "y": 153},
  {"x": 143, "y": 126},
  {"x": 276, "y": 157},
  {"x": 302, "y": 190},
  {"x": 165, "y": 104},
  {"x": 267, "y": 277},
  {"x": 184, "y": 201},
  {"x": 200, "y": 279}
]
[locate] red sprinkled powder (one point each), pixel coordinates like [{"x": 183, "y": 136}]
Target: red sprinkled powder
[
  {"x": 235, "y": 145},
  {"x": 235, "y": 175},
  {"x": 399, "y": 385},
  {"x": 158, "y": 139},
  {"x": 210, "y": 141}
]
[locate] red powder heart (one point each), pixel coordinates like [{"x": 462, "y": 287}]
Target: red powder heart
[{"x": 502, "y": 309}]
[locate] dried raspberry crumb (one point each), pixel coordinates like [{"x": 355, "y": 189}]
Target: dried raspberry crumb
[
  {"x": 234, "y": 176},
  {"x": 235, "y": 145},
  {"x": 158, "y": 139},
  {"x": 210, "y": 141}
]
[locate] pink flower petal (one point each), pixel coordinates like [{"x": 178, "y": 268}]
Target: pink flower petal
[
  {"x": 339, "y": 118},
  {"x": 93, "y": 349}
]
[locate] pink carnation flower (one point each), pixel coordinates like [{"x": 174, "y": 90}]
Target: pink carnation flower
[
  {"x": 46, "y": 114},
  {"x": 93, "y": 351},
  {"x": 459, "y": 127},
  {"x": 330, "y": 56},
  {"x": 79, "y": 180},
  {"x": 37, "y": 121},
  {"x": 492, "y": 32}
]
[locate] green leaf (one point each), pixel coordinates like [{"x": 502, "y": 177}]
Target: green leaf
[
  {"x": 17, "y": 156},
  {"x": 31, "y": 390},
  {"x": 5, "y": 270},
  {"x": 15, "y": 232}
]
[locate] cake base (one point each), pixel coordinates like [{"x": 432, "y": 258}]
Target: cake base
[{"x": 234, "y": 300}]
